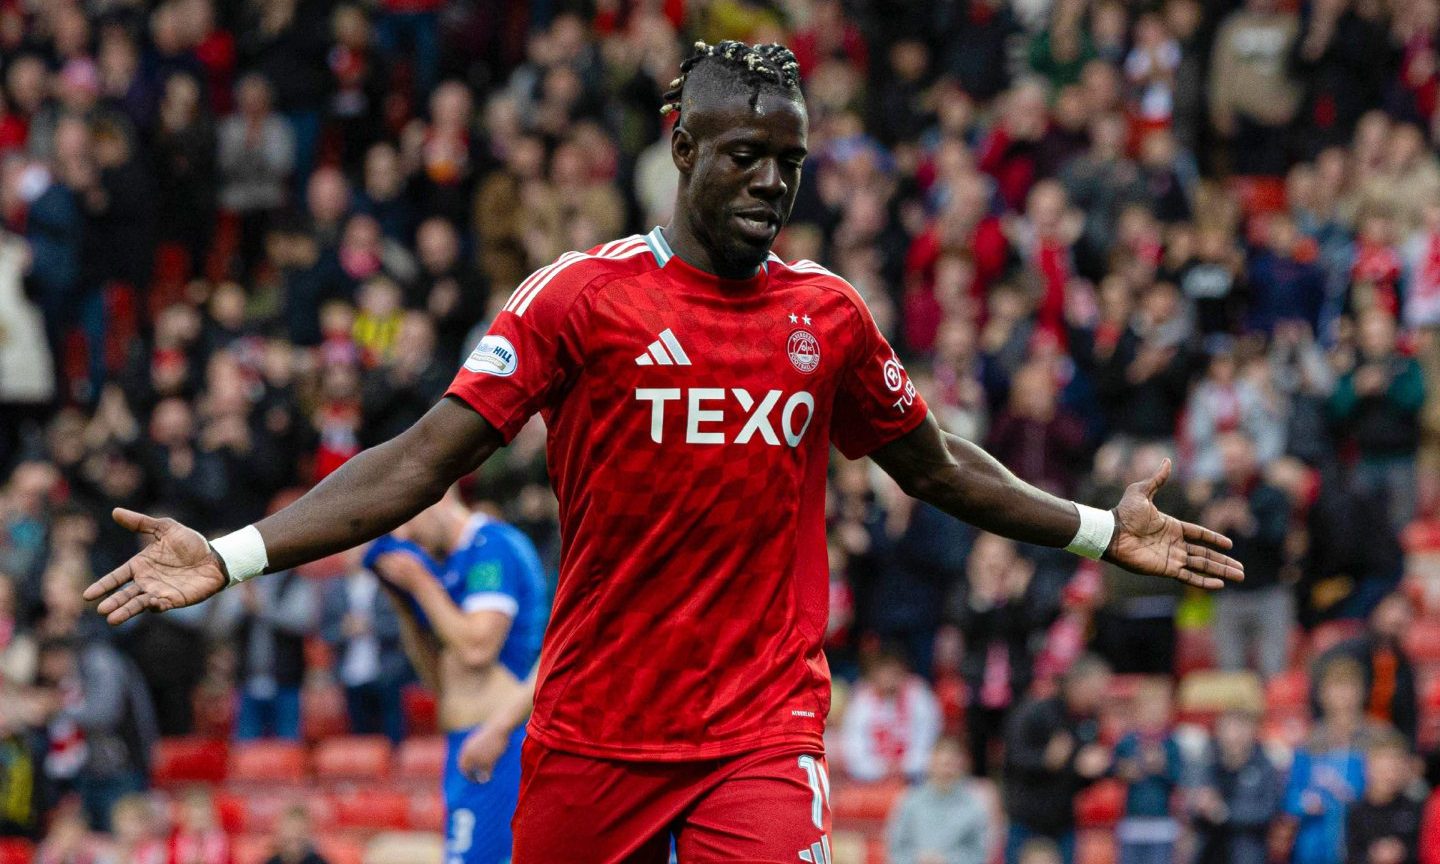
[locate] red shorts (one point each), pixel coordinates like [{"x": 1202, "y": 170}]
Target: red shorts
[{"x": 772, "y": 805}]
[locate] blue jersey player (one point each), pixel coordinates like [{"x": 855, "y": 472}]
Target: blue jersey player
[{"x": 472, "y": 602}]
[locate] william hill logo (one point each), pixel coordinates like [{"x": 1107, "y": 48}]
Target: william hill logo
[{"x": 493, "y": 356}]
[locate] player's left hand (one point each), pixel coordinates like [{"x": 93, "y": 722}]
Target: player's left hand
[
  {"x": 1150, "y": 542},
  {"x": 481, "y": 751},
  {"x": 401, "y": 569}
]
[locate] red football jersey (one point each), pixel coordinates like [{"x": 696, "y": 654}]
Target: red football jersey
[{"x": 690, "y": 420}]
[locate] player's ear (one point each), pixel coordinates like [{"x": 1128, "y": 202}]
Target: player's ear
[{"x": 683, "y": 149}]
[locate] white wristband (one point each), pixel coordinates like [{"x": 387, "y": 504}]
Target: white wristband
[
  {"x": 243, "y": 552},
  {"x": 1096, "y": 528}
]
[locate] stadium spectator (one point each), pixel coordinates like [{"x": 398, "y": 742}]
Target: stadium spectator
[
  {"x": 1252, "y": 96},
  {"x": 453, "y": 292},
  {"x": 256, "y": 156},
  {"x": 1377, "y": 404},
  {"x": 1384, "y": 824},
  {"x": 1231, "y": 398},
  {"x": 1389, "y": 674},
  {"x": 999, "y": 617},
  {"x": 133, "y": 824},
  {"x": 98, "y": 722},
  {"x": 70, "y": 841},
  {"x": 1328, "y": 773},
  {"x": 1135, "y": 624},
  {"x": 360, "y": 624},
  {"x": 1052, "y": 751},
  {"x": 295, "y": 838},
  {"x": 1148, "y": 759},
  {"x": 1040, "y": 440},
  {"x": 268, "y": 621},
  {"x": 942, "y": 821},
  {"x": 1256, "y": 616},
  {"x": 891, "y": 723},
  {"x": 1239, "y": 795},
  {"x": 198, "y": 837}
]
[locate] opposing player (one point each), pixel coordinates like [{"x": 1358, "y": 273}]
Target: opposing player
[
  {"x": 692, "y": 384},
  {"x": 472, "y": 633}
]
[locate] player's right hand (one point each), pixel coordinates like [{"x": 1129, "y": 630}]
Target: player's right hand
[
  {"x": 481, "y": 750},
  {"x": 176, "y": 569}
]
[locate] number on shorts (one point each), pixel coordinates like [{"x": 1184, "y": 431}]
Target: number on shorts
[
  {"x": 462, "y": 831},
  {"x": 819, "y": 788}
]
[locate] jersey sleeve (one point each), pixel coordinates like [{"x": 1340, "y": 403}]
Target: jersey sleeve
[
  {"x": 489, "y": 582},
  {"x": 877, "y": 402},
  {"x": 522, "y": 364}
]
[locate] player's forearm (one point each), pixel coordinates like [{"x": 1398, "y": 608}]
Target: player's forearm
[
  {"x": 516, "y": 711},
  {"x": 380, "y": 488},
  {"x": 978, "y": 489},
  {"x": 419, "y": 646},
  {"x": 474, "y": 647}
]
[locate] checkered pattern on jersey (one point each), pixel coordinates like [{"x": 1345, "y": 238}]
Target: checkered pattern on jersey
[{"x": 694, "y": 589}]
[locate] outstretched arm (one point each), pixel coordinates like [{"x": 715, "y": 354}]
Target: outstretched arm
[
  {"x": 367, "y": 496},
  {"x": 958, "y": 477}
]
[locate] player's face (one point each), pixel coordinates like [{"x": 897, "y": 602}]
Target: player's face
[{"x": 744, "y": 172}]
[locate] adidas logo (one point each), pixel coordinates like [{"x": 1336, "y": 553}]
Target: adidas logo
[{"x": 665, "y": 351}]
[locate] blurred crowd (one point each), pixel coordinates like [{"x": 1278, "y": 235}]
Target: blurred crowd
[{"x": 240, "y": 240}]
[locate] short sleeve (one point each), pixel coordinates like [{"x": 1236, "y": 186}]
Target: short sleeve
[
  {"x": 877, "y": 402},
  {"x": 488, "y": 582},
  {"x": 522, "y": 364}
]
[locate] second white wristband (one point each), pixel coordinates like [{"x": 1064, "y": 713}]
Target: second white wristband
[
  {"x": 243, "y": 552},
  {"x": 1093, "y": 537}
]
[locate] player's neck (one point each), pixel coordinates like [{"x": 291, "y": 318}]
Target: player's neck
[{"x": 688, "y": 248}]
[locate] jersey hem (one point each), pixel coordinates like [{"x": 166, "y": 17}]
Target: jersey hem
[{"x": 674, "y": 753}]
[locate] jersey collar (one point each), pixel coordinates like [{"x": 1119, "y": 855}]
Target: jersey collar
[
  {"x": 663, "y": 256},
  {"x": 659, "y": 247}
]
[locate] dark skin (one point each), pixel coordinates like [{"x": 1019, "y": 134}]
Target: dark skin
[{"x": 739, "y": 173}]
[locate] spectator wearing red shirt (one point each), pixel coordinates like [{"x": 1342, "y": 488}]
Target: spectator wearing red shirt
[{"x": 1009, "y": 153}]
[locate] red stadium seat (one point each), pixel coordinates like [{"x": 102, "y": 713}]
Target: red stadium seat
[
  {"x": 187, "y": 760},
  {"x": 353, "y": 757},
  {"x": 427, "y": 810},
  {"x": 13, "y": 850},
  {"x": 1194, "y": 650},
  {"x": 864, "y": 802},
  {"x": 322, "y": 712},
  {"x": 421, "y": 759},
  {"x": 1100, "y": 805},
  {"x": 372, "y": 809},
  {"x": 268, "y": 762},
  {"x": 419, "y": 706},
  {"x": 1422, "y": 641},
  {"x": 1287, "y": 691}
]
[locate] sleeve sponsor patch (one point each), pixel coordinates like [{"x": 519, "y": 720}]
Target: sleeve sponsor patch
[{"x": 493, "y": 356}]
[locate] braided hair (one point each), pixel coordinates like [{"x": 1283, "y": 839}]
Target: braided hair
[{"x": 769, "y": 67}]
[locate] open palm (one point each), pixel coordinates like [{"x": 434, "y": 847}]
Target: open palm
[
  {"x": 1150, "y": 542},
  {"x": 176, "y": 569}
]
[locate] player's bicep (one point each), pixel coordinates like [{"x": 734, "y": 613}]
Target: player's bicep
[
  {"x": 485, "y": 632},
  {"x": 877, "y": 402}
]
